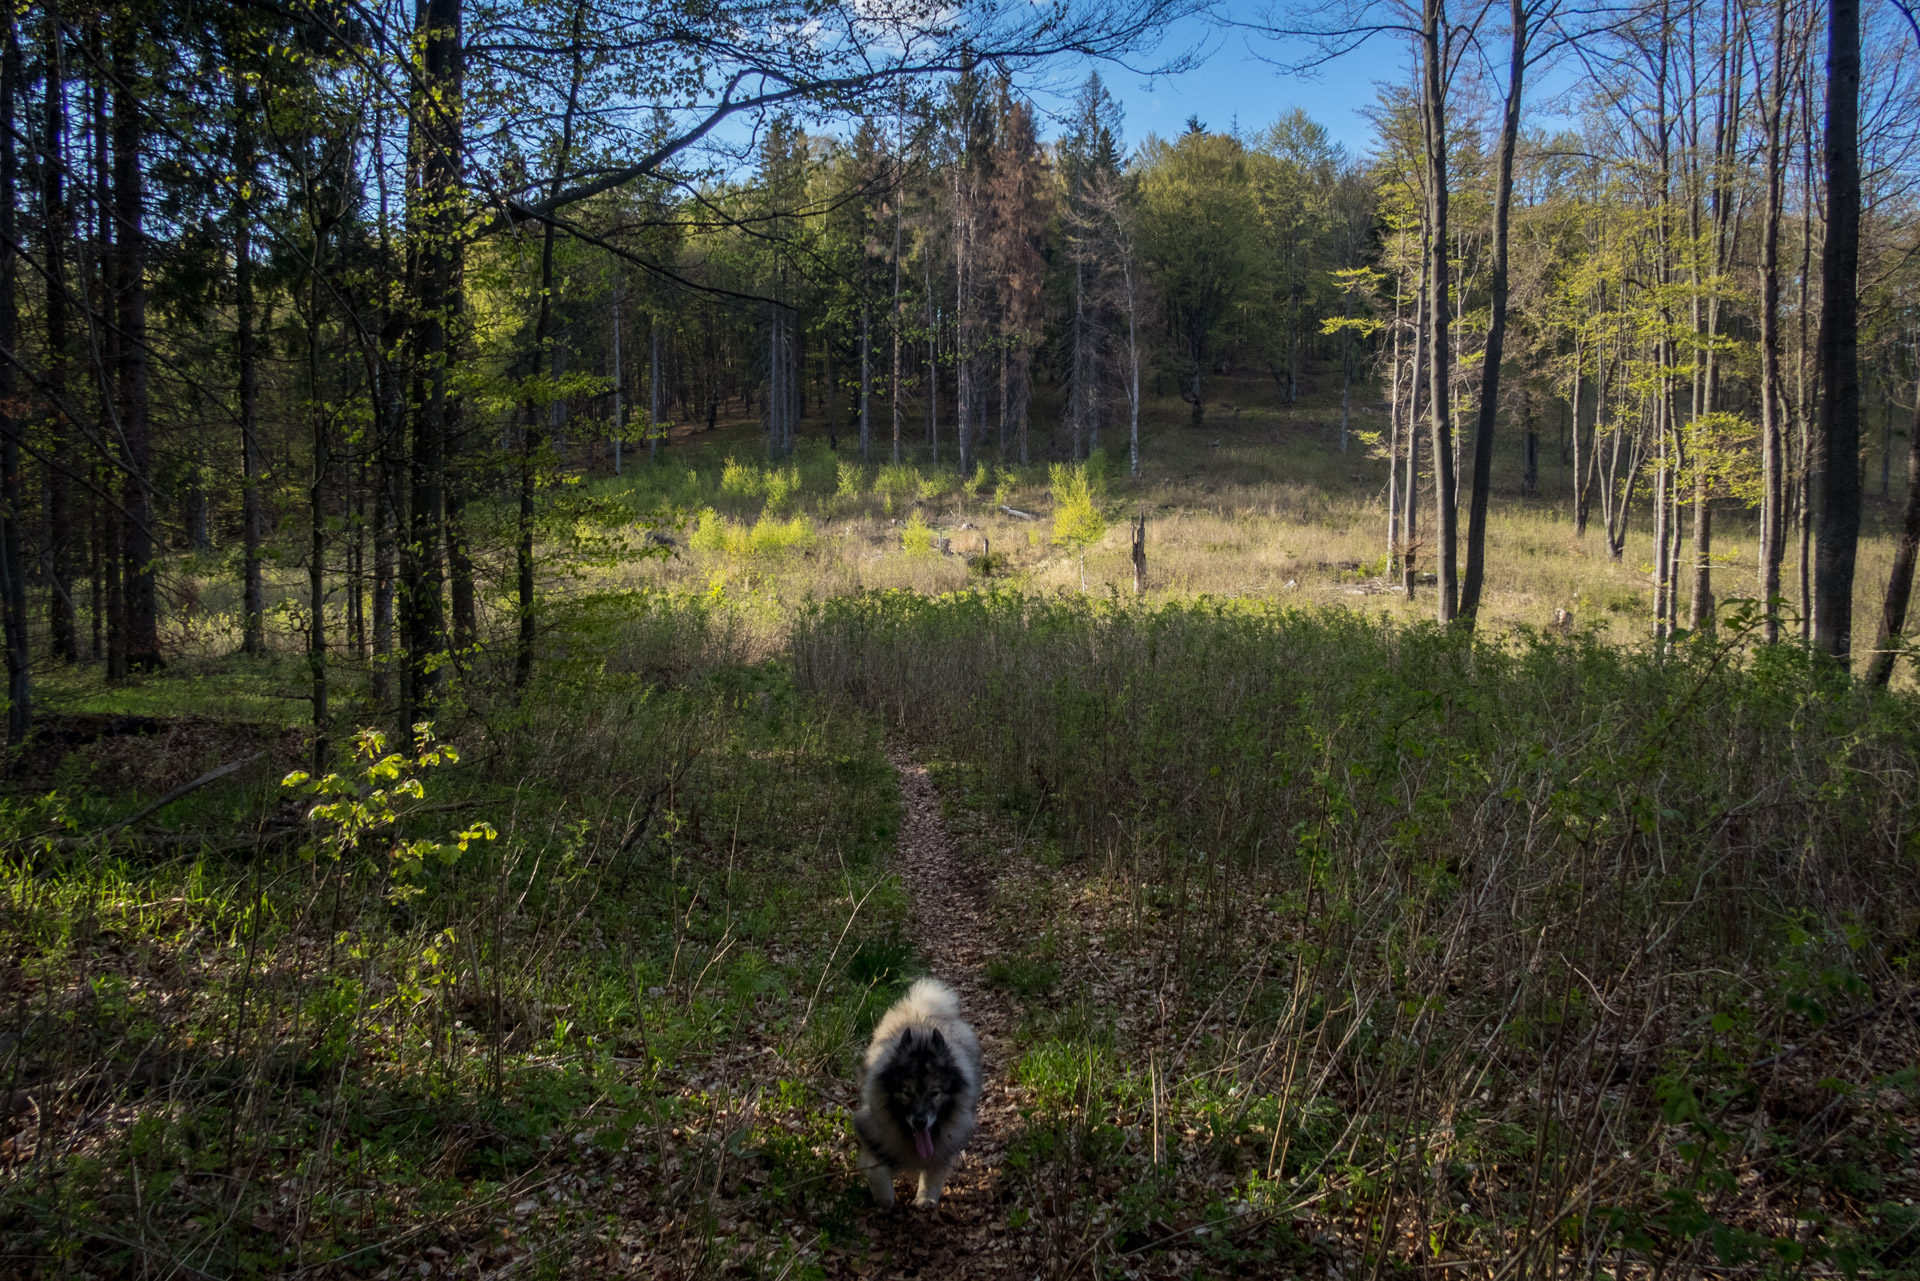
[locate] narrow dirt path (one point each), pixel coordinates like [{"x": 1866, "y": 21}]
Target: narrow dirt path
[{"x": 967, "y": 1236}]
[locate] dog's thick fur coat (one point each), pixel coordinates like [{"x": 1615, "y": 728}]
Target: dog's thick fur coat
[{"x": 919, "y": 1092}]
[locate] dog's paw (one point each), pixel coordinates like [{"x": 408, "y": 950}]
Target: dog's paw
[{"x": 932, "y": 1183}]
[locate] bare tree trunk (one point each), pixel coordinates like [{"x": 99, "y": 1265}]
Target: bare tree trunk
[
  {"x": 893, "y": 383},
  {"x": 1772, "y": 451},
  {"x": 461, "y": 600},
  {"x": 386, "y": 519},
  {"x": 1839, "y": 532},
  {"x": 317, "y": 505},
  {"x": 866, "y": 384},
  {"x": 1573, "y": 411},
  {"x": 653, "y": 394},
  {"x": 1809, "y": 459},
  {"x": 13, "y": 561},
  {"x": 252, "y": 534},
  {"x": 63, "y": 624},
  {"x": 1133, "y": 386},
  {"x": 553, "y": 352},
  {"x": 1140, "y": 556},
  {"x": 619, "y": 384},
  {"x": 1410, "y": 491},
  {"x": 962, "y": 357},
  {"x": 1346, "y": 374},
  {"x": 1662, "y": 511},
  {"x": 435, "y": 150},
  {"x": 1394, "y": 445},
  {"x": 933, "y": 370},
  {"x": 142, "y": 602},
  {"x": 1482, "y": 485},
  {"x": 1906, "y": 548},
  {"x": 109, "y": 601},
  {"x": 1530, "y": 425},
  {"x": 833, "y": 390},
  {"x": 1439, "y": 353}
]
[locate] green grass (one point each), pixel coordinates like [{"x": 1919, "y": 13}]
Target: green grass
[
  {"x": 1328, "y": 937},
  {"x": 430, "y": 1038}
]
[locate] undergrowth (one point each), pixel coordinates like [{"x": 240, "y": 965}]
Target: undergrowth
[
  {"x": 1420, "y": 950},
  {"x": 426, "y": 1006}
]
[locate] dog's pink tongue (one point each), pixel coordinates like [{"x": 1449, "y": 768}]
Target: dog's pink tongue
[{"x": 923, "y": 1144}]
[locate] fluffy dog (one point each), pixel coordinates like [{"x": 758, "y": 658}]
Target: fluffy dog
[{"x": 919, "y": 1092}]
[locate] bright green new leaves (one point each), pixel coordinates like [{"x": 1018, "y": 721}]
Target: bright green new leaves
[
  {"x": 1077, "y": 490},
  {"x": 369, "y": 801}
]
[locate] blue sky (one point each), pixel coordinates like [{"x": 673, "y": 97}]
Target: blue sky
[{"x": 1231, "y": 84}]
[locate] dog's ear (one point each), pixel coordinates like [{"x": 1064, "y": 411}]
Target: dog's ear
[
  {"x": 906, "y": 1039},
  {"x": 935, "y": 1041}
]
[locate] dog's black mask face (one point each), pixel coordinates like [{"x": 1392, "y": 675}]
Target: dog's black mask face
[{"x": 921, "y": 1082}]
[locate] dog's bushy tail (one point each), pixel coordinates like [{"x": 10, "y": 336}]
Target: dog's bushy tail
[{"x": 932, "y": 999}]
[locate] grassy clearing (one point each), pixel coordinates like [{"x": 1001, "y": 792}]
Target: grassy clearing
[
  {"x": 1259, "y": 502},
  {"x": 1385, "y": 946}
]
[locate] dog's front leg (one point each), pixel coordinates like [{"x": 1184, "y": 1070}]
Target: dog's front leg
[
  {"x": 931, "y": 1184},
  {"x": 879, "y": 1179}
]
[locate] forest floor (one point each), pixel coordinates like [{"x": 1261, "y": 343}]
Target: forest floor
[{"x": 1283, "y": 928}]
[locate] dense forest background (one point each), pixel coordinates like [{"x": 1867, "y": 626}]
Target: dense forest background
[{"x": 361, "y": 292}]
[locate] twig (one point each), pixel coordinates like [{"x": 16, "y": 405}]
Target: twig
[{"x": 183, "y": 790}]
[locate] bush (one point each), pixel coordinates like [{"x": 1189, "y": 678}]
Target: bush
[
  {"x": 916, "y": 539},
  {"x": 769, "y": 536},
  {"x": 1077, "y": 490}
]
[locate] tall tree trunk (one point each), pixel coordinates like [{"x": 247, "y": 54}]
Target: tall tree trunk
[
  {"x": 933, "y": 367},
  {"x": 1482, "y": 486},
  {"x": 142, "y": 600},
  {"x": 1394, "y": 444},
  {"x": 893, "y": 384},
  {"x": 832, "y": 388},
  {"x": 434, "y": 177},
  {"x": 1580, "y": 489},
  {"x": 1082, "y": 367},
  {"x": 1346, "y": 372},
  {"x": 1809, "y": 446},
  {"x": 317, "y": 504},
  {"x": 13, "y": 561},
  {"x": 866, "y": 383},
  {"x": 1133, "y": 382},
  {"x": 619, "y": 385},
  {"x": 1434, "y": 38},
  {"x": 109, "y": 601},
  {"x": 1773, "y": 526},
  {"x": 1893, "y": 614},
  {"x": 1530, "y": 477},
  {"x": 1839, "y": 532},
  {"x": 552, "y": 352},
  {"x": 962, "y": 357},
  {"x": 63, "y": 624},
  {"x": 653, "y": 393},
  {"x": 246, "y": 357},
  {"x": 462, "y": 600},
  {"x": 386, "y": 519},
  {"x": 1410, "y": 490}
]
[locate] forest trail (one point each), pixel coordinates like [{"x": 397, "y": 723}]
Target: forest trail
[{"x": 968, "y": 1236}]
